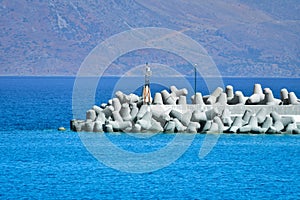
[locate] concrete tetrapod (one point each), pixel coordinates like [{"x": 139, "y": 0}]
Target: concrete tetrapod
[
  {"x": 275, "y": 116},
  {"x": 91, "y": 114},
  {"x": 198, "y": 116},
  {"x": 121, "y": 96},
  {"x": 246, "y": 116},
  {"x": 158, "y": 99},
  {"x": 109, "y": 128},
  {"x": 210, "y": 114},
  {"x": 161, "y": 116},
  {"x": 97, "y": 109},
  {"x": 229, "y": 92},
  {"x": 197, "y": 99},
  {"x": 125, "y": 112},
  {"x": 88, "y": 126},
  {"x": 120, "y": 126},
  {"x": 137, "y": 128},
  {"x": 145, "y": 121},
  {"x": 77, "y": 125},
  {"x": 116, "y": 104},
  {"x": 261, "y": 115},
  {"x": 101, "y": 117},
  {"x": 267, "y": 124},
  {"x": 142, "y": 111},
  {"x": 116, "y": 116},
  {"x": 213, "y": 97},
  {"x": 181, "y": 100},
  {"x": 193, "y": 127},
  {"x": 103, "y": 105},
  {"x": 108, "y": 111},
  {"x": 225, "y": 117},
  {"x": 284, "y": 96},
  {"x": 167, "y": 98},
  {"x": 155, "y": 126},
  {"x": 218, "y": 121},
  {"x": 236, "y": 124},
  {"x": 293, "y": 99},
  {"x": 278, "y": 126},
  {"x": 252, "y": 125},
  {"x": 257, "y": 95},
  {"x": 170, "y": 127},
  {"x": 238, "y": 98},
  {"x": 134, "y": 111},
  {"x": 206, "y": 126},
  {"x": 214, "y": 128},
  {"x": 98, "y": 127},
  {"x": 179, "y": 126},
  {"x": 221, "y": 99},
  {"x": 291, "y": 127},
  {"x": 132, "y": 98},
  {"x": 287, "y": 120},
  {"x": 178, "y": 93},
  {"x": 257, "y": 89},
  {"x": 269, "y": 98},
  {"x": 184, "y": 118}
]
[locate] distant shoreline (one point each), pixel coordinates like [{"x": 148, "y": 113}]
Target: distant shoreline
[{"x": 112, "y": 76}]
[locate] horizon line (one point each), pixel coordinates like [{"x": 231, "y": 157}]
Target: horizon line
[{"x": 135, "y": 76}]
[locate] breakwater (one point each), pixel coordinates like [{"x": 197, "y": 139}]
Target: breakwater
[{"x": 223, "y": 111}]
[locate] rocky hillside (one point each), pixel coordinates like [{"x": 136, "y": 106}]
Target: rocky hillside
[{"x": 244, "y": 37}]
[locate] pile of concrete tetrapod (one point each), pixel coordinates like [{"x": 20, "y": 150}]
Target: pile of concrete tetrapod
[{"x": 220, "y": 112}]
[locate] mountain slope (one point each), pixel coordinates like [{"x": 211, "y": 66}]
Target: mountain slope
[{"x": 244, "y": 37}]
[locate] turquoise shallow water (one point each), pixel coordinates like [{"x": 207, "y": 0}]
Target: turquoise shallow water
[{"x": 37, "y": 161}]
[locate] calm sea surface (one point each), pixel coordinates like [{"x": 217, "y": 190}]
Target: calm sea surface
[{"x": 39, "y": 162}]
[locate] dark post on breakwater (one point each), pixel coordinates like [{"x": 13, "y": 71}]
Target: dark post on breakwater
[{"x": 195, "y": 78}]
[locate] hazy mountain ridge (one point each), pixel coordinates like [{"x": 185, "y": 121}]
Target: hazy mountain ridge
[{"x": 244, "y": 38}]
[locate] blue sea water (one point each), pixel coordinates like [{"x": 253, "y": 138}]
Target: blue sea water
[{"x": 39, "y": 162}]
